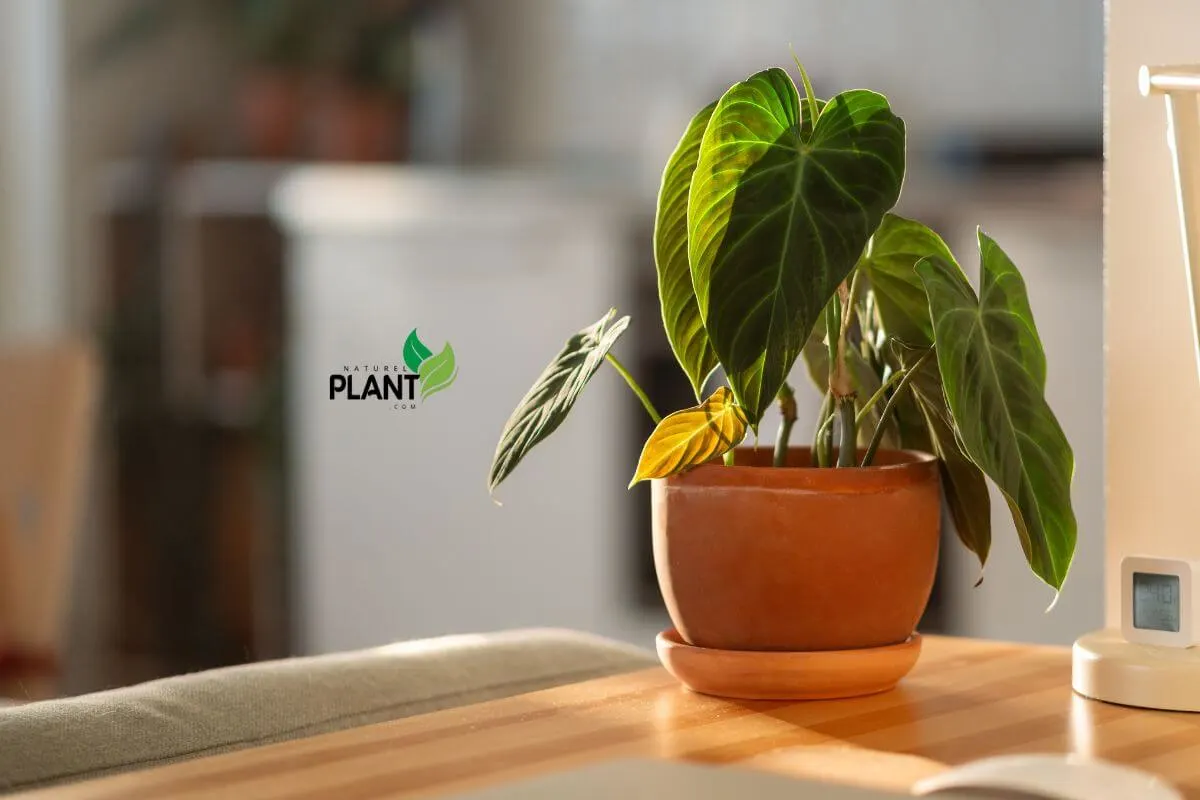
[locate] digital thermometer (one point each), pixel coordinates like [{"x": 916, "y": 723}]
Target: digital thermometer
[{"x": 1159, "y": 601}]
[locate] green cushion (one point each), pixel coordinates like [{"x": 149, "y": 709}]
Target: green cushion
[{"x": 220, "y": 710}]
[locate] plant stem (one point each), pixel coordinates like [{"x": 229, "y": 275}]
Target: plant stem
[
  {"x": 833, "y": 324},
  {"x": 848, "y": 446},
  {"x": 808, "y": 90},
  {"x": 729, "y": 458},
  {"x": 877, "y": 437},
  {"x": 823, "y": 419},
  {"x": 825, "y": 436},
  {"x": 646, "y": 404},
  {"x": 848, "y": 309},
  {"x": 787, "y": 409},
  {"x": 841, "y": 387},
  {"x": 875, "y": 398}
]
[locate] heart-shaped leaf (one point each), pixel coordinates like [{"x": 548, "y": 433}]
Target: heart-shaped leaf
[
  {"x": 777, "y": 217},
  {"x": 554, "y": 393},
  {"x": 993, "y": 369},
  {"x": 438, "y": 372},
  {"x": 415, "y": 352},
  {"x": 963, "y": 484},
  {"x": 681, "y": 316},
  {"x": 889, "y": 263},
  {"x": 692, "y": 437}
]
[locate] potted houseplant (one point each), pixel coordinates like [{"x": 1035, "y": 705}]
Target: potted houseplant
[
  {"x": 774, "y": 240},
  {"x": 336, "y": 71}
]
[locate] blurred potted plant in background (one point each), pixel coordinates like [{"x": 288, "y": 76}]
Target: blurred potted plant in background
[
  {"x": 365, "y": 60},
  {"x": 323, "y": 78}
]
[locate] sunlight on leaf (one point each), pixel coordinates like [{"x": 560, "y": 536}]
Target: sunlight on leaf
[
  {"x": 554, "y": 393},
  {"x": 681, "y": 316},
  {"x": 889, "y": 263},
  {"x": 692, "y": 437},
  {"x": 778, "y": 214}
]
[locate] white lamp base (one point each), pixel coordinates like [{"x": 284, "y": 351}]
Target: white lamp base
[{"x": 1107, "y": 667}]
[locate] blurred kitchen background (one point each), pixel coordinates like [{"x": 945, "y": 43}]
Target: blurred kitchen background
[{"x": 232, "y": 199}]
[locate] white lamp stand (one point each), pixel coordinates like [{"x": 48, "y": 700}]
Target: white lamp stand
[{"x": 1158, "y": 667}]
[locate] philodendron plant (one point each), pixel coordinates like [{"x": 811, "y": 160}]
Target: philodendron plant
[{"x": 774, "y": 240}]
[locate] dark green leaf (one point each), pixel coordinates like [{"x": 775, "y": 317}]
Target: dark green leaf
[
  {"x": 777, "y": 216},
  {"x": 911, "y": 426},
  {"x": 415, "y": 352},
  {"x": 889, "y": 264},
  {"x": 963, "y": 483},
  {"x": 907, "y": 415},
  {"x": 993, "y": 369},
  {"x": 554, "y": 393},
  {"x": 681, "y": 316},
  {"x": 866, "y": 383}
]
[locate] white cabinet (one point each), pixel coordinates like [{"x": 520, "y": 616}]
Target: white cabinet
[{"x": 396, "y": 534}]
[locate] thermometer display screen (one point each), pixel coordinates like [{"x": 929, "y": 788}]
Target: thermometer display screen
[{"x": 1156, "y": 602}]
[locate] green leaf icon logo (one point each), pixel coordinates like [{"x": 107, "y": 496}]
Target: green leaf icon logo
[
  {"x": 415, "y": 352},
  {"x": 437, "y": 372}
]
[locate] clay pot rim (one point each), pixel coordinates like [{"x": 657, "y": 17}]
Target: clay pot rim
[{"x": 906, "y": 466}]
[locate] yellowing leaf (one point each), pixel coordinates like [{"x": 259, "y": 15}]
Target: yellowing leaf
[
  {"x": 681, "y": 315},
  {"x": 693, "y": 436}
]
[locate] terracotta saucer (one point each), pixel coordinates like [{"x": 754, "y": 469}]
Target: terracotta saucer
[{"x": 775, "y": 675}]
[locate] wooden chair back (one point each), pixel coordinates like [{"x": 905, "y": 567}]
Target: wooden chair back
[{"x": 47, "y": 411}]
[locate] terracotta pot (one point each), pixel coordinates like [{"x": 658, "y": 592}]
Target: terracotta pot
[
  {"x": 352, "y": 124},
  {"x": 755, "y": 557},
  {"x": 271, "y": 108}
]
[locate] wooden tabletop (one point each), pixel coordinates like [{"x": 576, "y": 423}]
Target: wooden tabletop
[{"x": 965, "y": 700}]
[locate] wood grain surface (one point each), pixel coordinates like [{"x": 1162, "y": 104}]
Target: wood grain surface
[{"x": 965, "y": 700}]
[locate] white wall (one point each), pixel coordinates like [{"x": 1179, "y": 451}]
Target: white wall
[
  {"x": 589, "y": 80},
  {"x": 1153, "y": 416},
  {"x": 32, "y": 278}
]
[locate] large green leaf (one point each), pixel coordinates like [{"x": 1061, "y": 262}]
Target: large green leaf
[
  {"x": 963, "y": 483},
  {"x": 777, "y": 216},
  {"x": 554, "y": 393},
  {"x": 681, "y": 316},
  {"x": 993, "y": 370},
  {"x": 889, "y": 264}
]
